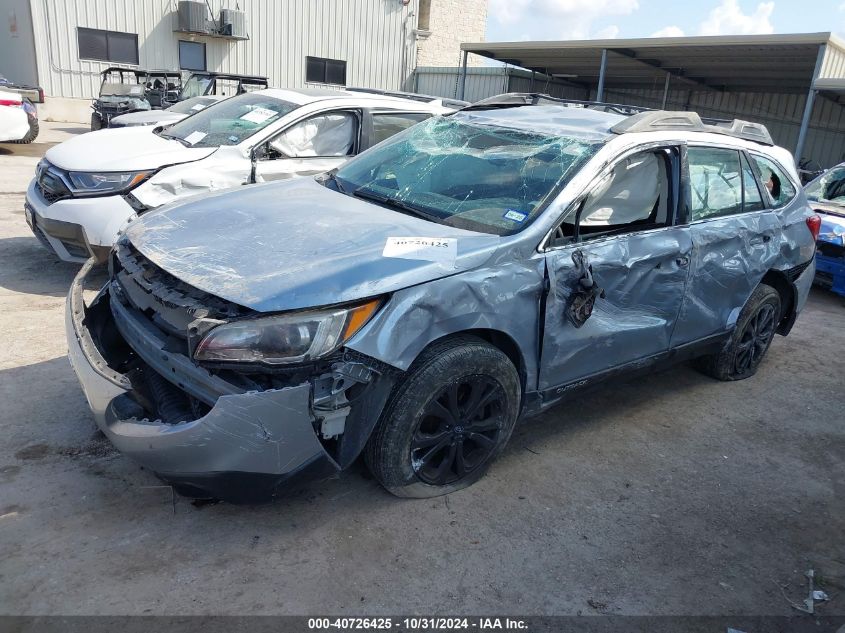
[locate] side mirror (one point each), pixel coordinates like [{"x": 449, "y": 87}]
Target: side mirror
[{"x": 260, "y": 152}]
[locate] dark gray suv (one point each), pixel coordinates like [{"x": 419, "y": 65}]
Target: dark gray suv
[{"x": 413, "y": 304}]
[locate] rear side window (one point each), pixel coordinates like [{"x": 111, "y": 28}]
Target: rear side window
[
  {"x": 386, "y": 125},
  {"x": 721, "y": 183},
  {"x": 778, "y": 186},
  {"x": 714, "y": 182},
  {"x": 829, "y": 187}
]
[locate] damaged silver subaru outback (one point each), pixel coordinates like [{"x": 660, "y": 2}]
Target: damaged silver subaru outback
[{"x": 413, "y": 304}]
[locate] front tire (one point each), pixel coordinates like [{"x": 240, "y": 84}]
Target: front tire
[
  {"x": 755, "y": 329},
  {"x": 446, "y": 421},
  {"x": 96, "y": 122}
]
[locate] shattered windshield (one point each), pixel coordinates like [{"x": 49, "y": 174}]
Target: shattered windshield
[
  {"x": 471, "y": 174},
  {"x": 230, "y": 121},
  {"x": 829, "y": 187}
]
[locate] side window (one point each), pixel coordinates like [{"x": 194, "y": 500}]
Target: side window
[
  {"x": 634, "y": 195},
  {"x": 715, "y": 183},
  {"x": 323, "y": 135},
  {"x": 830, "y": 186},
  {"x": 780, "y": 189},
  {"x": 386, "y": 125}
]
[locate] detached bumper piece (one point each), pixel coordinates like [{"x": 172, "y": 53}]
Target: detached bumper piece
[{"x": 202, "y": 434}]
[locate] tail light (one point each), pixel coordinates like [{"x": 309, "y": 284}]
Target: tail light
[
  {"x": 814, "y": 223},
  {"x": 11, "y": 102}
]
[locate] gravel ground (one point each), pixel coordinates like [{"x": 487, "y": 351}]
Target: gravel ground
[{"x": 671, "y": 494}]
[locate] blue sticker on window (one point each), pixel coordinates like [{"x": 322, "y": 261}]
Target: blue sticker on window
[
  {"x": 516, "y": 216},
  {"x": 233, "y": 138}
]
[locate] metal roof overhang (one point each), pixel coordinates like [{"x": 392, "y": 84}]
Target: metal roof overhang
[{"x": 750, "y": 63}]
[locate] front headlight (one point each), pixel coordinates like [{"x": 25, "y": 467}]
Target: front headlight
[
  {"x": 107, "y": 181},
  {"x": 292, "y": 338}
]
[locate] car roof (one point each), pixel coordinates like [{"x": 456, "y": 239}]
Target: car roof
[{"x": 306, "y": 96}]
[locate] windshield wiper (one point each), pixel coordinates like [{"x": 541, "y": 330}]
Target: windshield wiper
[
  {"x": 394, "y": 203},
  {"x": 333, "y": 177},
  {"x": 178, "y": 138}
]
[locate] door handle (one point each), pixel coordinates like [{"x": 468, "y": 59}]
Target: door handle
[{"x": 682, "y": 261}]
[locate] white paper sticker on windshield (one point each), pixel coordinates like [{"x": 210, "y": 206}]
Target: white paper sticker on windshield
[
  {"x": 258, "y": 115},
  {"x": 430, "y": 249},
  {"x": 195, "y": 137},
  {"x": 199, "y": 106}
]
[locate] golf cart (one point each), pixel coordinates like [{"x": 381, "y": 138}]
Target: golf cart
[
  {"x": 124, "y": 90},
  {"x": 222, "y": 84}
]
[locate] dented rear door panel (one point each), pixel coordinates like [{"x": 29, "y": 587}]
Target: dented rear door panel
[{"x": 730, "y": 256}]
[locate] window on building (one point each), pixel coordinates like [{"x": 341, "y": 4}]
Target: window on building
[
  {"x": 107, "y": 46},
  {"x": 424, "y": 22},
  {"x": 191, "y": 55},
  {"x": 325, "y": 71}
]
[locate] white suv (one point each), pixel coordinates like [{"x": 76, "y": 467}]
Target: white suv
[{"x": 87, "y": 189}]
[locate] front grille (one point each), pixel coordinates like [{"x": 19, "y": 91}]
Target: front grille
[
  {"x": 49, "y": 196},
  {"x": 168, "y": 302},
  {"x": 830, "y": 250},
  {"x": 50, "y": 183}
]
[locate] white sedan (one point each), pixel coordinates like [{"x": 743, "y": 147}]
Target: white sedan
[
  {"x": 18, "y": 119},
  {"x": 87, "y": 189}
]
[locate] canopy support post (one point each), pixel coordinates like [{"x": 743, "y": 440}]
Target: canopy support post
[
  {"x": 808, "y": 107},
  {"x": 666, "y": 90},
  {"x": 465, "y": 54},
  {"x": 602, "y": 69}
]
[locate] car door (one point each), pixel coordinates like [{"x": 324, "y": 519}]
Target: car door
[
  {"x": 313, "y": 145},
  {"x": 732, "y": 231},
  {"x": 623, "y": 235}
]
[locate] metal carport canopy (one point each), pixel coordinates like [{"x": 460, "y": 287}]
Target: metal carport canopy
[{"x": 787, "y": 63}]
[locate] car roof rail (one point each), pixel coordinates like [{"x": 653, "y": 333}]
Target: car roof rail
[
  {"x": 413, "y": 96},
  {"x": 516, "y": 99},
  {"x": 666, "y": 120}
]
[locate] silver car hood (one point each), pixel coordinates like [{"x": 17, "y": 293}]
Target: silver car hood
[
  {"x": 296, "y": 244},
  {"x": 149, "y": 117}
]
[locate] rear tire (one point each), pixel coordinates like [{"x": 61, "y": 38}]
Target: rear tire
[
  {"x": 32, "y": 134},
  {"x": 447, "y": 421},
  {"x": 755, "y": 329}
]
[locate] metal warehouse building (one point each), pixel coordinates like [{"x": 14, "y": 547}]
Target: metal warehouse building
[
  {"x": 792, "y": 83},
  {"x": 62, "y": 45}
]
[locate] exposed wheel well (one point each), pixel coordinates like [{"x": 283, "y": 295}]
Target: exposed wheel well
[
  {"x": 777, "y": 280},
  {"x": 500, "y": 341}
]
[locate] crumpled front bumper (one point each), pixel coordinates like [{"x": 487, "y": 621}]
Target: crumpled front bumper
[{"x": 241, "y": 450}]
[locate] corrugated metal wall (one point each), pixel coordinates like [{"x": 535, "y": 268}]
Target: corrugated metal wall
[
  {"x": 486, "y": 82},
  {"x": 375, "y": 37},
  {"x": 781, "y": 113}
]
